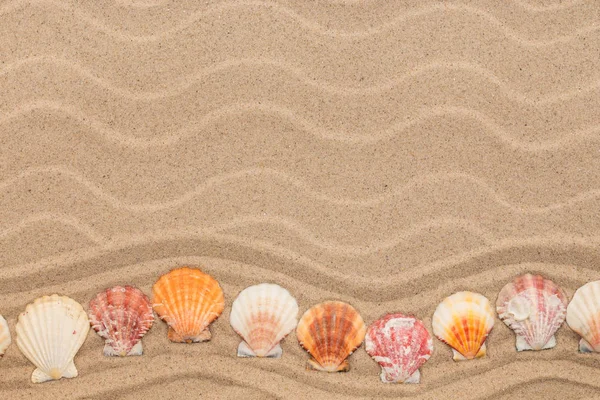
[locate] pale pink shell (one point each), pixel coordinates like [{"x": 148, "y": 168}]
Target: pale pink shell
[
  {"x": 122, "y": 316},
  {"x": 401, "y": 345},
  {"x": 534, "y": 308}
]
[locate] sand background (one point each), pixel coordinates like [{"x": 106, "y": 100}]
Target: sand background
[{"x": 383, "y": 153}]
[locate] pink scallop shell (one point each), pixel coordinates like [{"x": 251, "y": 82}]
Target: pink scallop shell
[
  {"x": 122, "y": 316},
  {"x": 534, "y": 308},
  {"x": 401, "y": 345}
]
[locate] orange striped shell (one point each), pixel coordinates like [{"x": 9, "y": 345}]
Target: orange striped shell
[
  {"x": 464, "y": 321},
  {"x": 330, "y": 332},
  {"x": 188, "y": 300}
]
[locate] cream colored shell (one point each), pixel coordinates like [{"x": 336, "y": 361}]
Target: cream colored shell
[
  {"x": 263, "y": 315},
  {"x": 49, "y": 333},
  {"x": 583, "y": 316}
]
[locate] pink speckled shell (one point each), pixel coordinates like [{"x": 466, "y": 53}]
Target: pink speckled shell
[
  {"x": 401, "y": 345},
  {"x": 122, "y": 316},
  {"x": 534, "y": 308}
]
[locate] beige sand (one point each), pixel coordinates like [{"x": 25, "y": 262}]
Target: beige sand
[{"x": 384, "y": 153}]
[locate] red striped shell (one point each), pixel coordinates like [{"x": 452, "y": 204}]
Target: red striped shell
[
  {"x": 122, "y": 316},
  {"x": 330, "y": 332},
  {"x": 534, "y": 308},
  {"x": 401, "y": 345}
]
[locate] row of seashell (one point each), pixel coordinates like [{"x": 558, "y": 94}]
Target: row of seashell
[{"x": 53, "y": 328}]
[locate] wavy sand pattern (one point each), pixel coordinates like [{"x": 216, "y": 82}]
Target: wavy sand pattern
[{"x": 383, "y": 154}]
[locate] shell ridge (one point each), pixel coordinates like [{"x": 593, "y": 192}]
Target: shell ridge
[
  {"x": 463, "y": 321},
  {"x": 291, "y": 313},
  {"x": 479, "y": 335},
  {"x": 78, "y": 328},
  {"x": 172, "y": 311},
  {"x": 177, "y": 293},
  {"x": 315, "y": 332},
  {"x": 400, "y": 344},
  {"x": 207, "y": 310},
  {"x": 126, "y": 315},
  {"x": 81, "y": 327},
  {"x": 476, "y": 337},
  {"x": 333, "y": 326},
  {"x": 217, "y": 301},
  {"x": 467, "y": 343},
  {"x": 343, "y": 325},
  {"x": 188, "y": 300},
  {"x": 260, "y": 315},
  {"x": 157, "y": 302},
  {"x": 464, "y": 348},
  {"x": 583, "y": 315},
  {"x": 328, "y": 326},
  {"x": 319, "y": 332},
  {"x": 195, "y": 316},
  {"x": 57, "y": 354},
  {"x": 44, "y": 334},
  {"x": 41, "y": 325},
  {"x": 24, "y": 342},
  {"x": 282, "y": 313},
  {"x": 164, "y": 290},
  {"x": 546, "y": 303},
  {"x": 482, "y": 332}
]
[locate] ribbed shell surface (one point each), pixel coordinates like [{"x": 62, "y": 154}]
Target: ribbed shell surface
[
  {"x": 463, "y": 321},
  {"x": 188, "y": 300},
  {"x": 583, "y": 314},
  {"x": 263, "y": 315},
  {"x": 400, "y": 344},
  {"x": 330, "y": 332},
  {"x": 121, "y": 315},
  {"x": 50, "y": 333},
  {"x": 533, "y": 307}
]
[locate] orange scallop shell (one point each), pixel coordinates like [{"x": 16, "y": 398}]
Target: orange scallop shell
[
  {"x": 188, "y": 300},
  {"x": 330, "y": 332}
]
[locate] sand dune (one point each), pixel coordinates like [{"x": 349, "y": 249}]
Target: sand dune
[{"x": 383, "y": 154}]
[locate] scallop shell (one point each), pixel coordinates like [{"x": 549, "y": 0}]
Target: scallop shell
[
  {"x": 534, "y": 308},
  {"x": 5, "y": 340},
  {"x": 463, "y": 321},
  {"x": 401, "y": 345},
  {"x": 49, "y": 334},
  {"x": 263, "y": 315},
  {"x": 330, "y": 332},
  {"x": 122, "y": 316},
  {"x": 188, "y": 300},
  {"x": 583, "y": 316}
]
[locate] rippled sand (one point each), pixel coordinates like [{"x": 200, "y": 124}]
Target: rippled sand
[{"x": 387, "y": 155}]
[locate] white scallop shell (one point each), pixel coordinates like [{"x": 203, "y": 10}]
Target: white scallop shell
[
  {"x": 5, "y": 340},
  {"x": 49, "y": 334},
  {"x": 263, "y": 315},
  {"x": 583, "y": 316}
]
